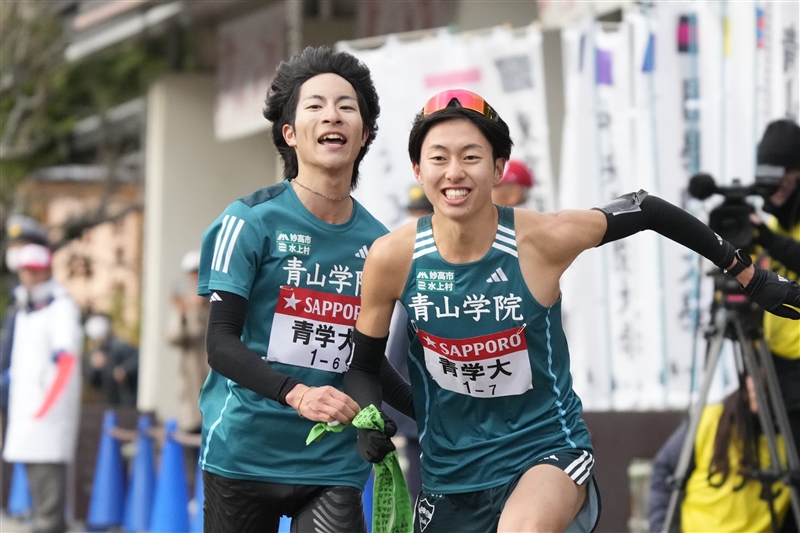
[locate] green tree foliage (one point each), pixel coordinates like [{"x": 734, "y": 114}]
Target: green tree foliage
[{"x": 43, "y": 96}]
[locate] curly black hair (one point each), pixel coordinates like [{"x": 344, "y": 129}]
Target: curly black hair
[{"x": 284, "y": 93}]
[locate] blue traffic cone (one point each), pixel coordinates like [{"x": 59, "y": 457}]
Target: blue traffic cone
[
  {"x": 107, "y": 503},
  {"x": 139, "y": 506},
  {"x": 170, "y": 506},
  {"x": 199, "y": 499},
  {"x": 19, "y": 497}
]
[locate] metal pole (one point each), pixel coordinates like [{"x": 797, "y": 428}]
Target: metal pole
[
  {"x": 695, "y": 412},
  {"x": 294, "y": 26}
]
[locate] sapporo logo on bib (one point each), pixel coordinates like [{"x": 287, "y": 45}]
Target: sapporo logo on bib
[
  {"x": 313, "y": 329},
  {"x": 485, "y": 367}
]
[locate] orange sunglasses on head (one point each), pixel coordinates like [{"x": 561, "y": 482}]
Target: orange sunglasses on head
[{"x": 462, "y": 98}]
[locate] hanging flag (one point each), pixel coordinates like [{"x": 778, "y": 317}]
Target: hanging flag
[
  {"x": 603, "y": 59},
  {"x": 649, "y": 63},
  {"x": 760, "y": 22}
]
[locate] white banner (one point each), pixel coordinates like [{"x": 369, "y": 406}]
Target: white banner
[
  {"x": 503, "y": 66},
  {"x": 631, "y": 338},
  {"x": 249, "y": 50},
  {"x": 674, "y": 104},
  {"x": 584, "y": 284},
  {"x": 679, "y": 88},
  {"x": 781, "y": 57}
]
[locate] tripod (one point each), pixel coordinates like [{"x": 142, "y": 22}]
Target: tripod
[{"x": 734, "y": 319}]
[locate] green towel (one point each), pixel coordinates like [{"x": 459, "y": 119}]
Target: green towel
[{"x": 391, "y": 506}]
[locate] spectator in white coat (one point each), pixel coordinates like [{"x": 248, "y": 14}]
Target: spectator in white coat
[{"x": 44, "y": 396}]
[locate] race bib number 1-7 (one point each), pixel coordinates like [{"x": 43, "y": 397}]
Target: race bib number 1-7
[
  {"x": 485, "y": 367},
  {"x": 313, "y": 329}
]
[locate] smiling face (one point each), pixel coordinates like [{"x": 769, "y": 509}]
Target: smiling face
[
  {"x": 328, "y": 132},
  {"x": 457, "y": 168}
]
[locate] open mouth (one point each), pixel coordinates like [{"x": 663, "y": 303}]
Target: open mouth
[
  {"x": 455, "y": 194},
  {"x": 333, "y": 139}
]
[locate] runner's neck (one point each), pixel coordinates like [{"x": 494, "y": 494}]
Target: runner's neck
[
  {"x": 326, "y": 197},
  {"x": 465, "y": 241}
]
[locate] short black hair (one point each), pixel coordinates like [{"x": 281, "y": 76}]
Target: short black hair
[
  {"x": 495, "y": 131},
  {"x": 284, "y": 93}
]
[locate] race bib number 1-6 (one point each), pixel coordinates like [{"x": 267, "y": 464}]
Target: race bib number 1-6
[
  {"x": 313, "y": 329},
  {"x": 485, "y": 367}
]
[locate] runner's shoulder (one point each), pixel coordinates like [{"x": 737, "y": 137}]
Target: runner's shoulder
[
  {"x": 262, "y": 195},
  {"x": 394, "y": 247}
]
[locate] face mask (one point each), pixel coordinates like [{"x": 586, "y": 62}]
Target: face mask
[
  {"x": 97, "y": 327},
  {"x": 12, "y": 258}
]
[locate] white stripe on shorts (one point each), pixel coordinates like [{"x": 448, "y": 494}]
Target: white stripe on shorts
[{"x": 580, "y": 468}]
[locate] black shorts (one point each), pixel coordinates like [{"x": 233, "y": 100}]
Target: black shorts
[
  {"x": 235, "y": 505},
  {"x": 480, "y": 511}
]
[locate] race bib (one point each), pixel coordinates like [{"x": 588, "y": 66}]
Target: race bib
[
  {"x": 485, "y": 367},
  {"x": 313, "y": 329}
]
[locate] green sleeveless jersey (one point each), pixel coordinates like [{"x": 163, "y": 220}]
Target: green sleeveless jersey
[
  {"x": 302, "y": 279},
  {"x": 489, "y": 367}
]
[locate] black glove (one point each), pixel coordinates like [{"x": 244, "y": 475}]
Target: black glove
[
  {"x": 774, "y": 293},
  {"x": 763, "y": 236},
  {"x": 374, "y": 445}
]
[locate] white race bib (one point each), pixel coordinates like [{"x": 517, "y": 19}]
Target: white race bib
[
  {"x": 485, "y": 367},
  {"x": 313, "y": 329}
]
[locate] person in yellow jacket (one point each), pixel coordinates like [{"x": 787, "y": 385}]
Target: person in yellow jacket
[
  {"x": 723, "y": 492},
  {"x": 780, "y": 239}
]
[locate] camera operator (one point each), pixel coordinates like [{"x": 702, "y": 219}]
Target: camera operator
[{"x": 780, "y": 238}]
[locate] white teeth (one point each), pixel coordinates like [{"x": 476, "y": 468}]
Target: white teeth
[
  {"x": 454, "y": 194},
  {"x": 332, "y": 137}
]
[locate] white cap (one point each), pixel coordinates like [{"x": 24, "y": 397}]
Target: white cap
[
  {"x": 34, "y": 256},
  {"x": 97, "y": 327},
  {"x": 191, "y": 261}
]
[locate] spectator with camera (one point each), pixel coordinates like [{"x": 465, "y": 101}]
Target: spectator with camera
[{"x": 780, "y": 239}]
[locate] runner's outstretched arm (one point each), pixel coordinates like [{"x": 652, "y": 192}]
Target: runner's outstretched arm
[{"x": 634, "y": 212}]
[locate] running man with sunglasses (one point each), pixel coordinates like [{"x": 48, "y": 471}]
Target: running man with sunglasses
[
  {"x": 282, "y": 267},
  {"x": 504, "y": 447}
]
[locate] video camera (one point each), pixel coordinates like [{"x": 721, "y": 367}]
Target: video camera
[{"x": 731, "y": 219}]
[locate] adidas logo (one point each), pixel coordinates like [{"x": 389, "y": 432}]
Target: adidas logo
[
  {"x": 362, "y": 253},
  {"x": 497, "y": 276},
  {"x": 215, "y": 297}
]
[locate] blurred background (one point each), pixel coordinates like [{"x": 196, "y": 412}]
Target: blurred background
[{"x": 127, "y": 126}]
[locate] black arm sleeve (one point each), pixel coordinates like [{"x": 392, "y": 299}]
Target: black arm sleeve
[
  {"x": 228, "y": 355},
  {"x": 635, "y": 212},
  {"x": 396, "y": 391},
  {"x": 362, "y": 381}
]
